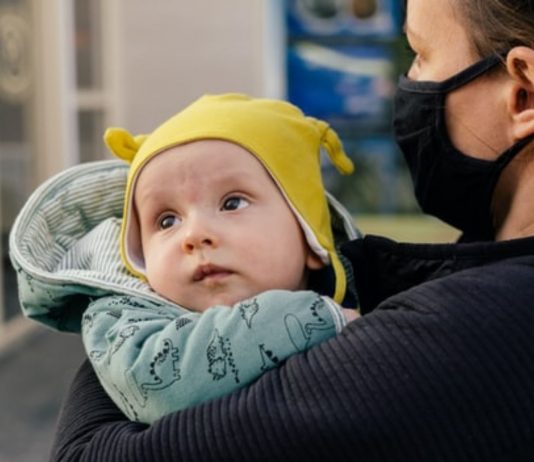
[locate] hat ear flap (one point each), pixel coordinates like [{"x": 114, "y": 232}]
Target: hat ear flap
[
  {"x": 331, "y": 142},
  {"x": 122, "y": 143}
]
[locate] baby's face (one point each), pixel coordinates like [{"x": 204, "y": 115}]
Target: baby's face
[{"x": 215, "y": 229}]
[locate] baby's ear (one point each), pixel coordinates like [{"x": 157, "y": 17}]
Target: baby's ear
[
  {"x": 520, "y": 66},
  {"x": 313, "y": 261}
]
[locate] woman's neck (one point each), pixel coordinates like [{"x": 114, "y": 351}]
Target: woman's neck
[{"x": 513, "y": 204}]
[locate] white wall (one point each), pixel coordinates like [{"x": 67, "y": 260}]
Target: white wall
[{"x": 169, "y": 52}]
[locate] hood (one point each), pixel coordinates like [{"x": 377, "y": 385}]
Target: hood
[{"x": 53, "y": 240}]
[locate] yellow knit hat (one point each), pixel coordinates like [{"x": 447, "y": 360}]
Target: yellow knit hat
[{"x": 282, "y": 138}]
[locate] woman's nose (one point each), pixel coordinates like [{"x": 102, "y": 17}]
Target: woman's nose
[{"x": 198, "y": 235}]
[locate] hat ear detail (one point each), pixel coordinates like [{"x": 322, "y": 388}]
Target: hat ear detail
[
  {"x": 122, "y": 143},
  {"x": 330, "y": 140}
]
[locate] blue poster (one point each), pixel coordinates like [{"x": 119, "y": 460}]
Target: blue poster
[
  {"x": 346, "y": 85},
  {"x": 380, "y": 182},
  {"x": 340, "y": 68},
  {"x": 361, "y": 18}
]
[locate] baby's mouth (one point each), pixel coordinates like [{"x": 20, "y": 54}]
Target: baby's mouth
[{"x": 209, "y": 271}]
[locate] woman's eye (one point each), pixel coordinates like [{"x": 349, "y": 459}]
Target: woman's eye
[
  {"x": 234, "y": 203},
  {"x": 166, "y": 221}
]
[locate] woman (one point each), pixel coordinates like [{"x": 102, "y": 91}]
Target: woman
[{"x": 440, "y": 366}]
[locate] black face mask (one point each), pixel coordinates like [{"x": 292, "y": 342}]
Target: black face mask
[{"x": 448, "y": 184}]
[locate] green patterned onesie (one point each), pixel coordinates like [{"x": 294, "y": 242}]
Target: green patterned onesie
[{"x": 151, "y": 355}]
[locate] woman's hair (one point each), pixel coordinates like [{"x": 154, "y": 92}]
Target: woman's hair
[{"x": 498, "y": 25}]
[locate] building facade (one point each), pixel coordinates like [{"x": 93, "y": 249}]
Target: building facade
[{"x": 69, "y": 68}]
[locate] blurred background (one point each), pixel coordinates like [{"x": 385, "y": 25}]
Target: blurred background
[{"x": 70, "y": 68}]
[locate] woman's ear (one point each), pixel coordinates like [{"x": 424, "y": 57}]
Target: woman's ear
[{"x": 520, "y": 66}]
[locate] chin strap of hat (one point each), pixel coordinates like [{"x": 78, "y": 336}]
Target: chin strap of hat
[{"x": 332, "y": 144}]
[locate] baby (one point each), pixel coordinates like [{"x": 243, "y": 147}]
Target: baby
[{"x": 224, "y": 207}]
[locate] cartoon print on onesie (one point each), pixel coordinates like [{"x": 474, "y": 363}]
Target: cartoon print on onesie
[
  {"x": 248, "y": 309},
  {"x": 163, "y": 370},
  {"x": 301, "y": 334},
  {"x": 220, "y": 357}
]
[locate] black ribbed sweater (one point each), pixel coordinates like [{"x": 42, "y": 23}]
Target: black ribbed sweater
[{"x": 439, "y": 368}]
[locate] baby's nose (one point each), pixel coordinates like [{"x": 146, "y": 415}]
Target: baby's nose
[{"x": 198, "y": 235}]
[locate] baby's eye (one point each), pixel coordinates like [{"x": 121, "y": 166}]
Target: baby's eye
[
  {"x": 234, "y": 203},
  {"x": 166, "y": 221}
]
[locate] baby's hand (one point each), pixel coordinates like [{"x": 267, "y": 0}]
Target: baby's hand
[{"x": 350, "y": 314}]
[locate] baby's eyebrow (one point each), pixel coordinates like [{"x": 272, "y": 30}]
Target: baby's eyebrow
[
  {"x": 146, "y": 199},
  {"x": 236, "y": 177}
]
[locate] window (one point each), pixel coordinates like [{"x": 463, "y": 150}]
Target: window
[
  {"x": 50, "y": 122},
  {"x": 89, "y": 77},
  {"x": 17, "y": 149}
]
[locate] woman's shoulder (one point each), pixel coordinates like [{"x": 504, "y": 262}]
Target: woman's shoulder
[
  {"x": 467, "y": 317},
  {"x": 496, "y": 285},
  {"x": 438, "y": 273}
]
